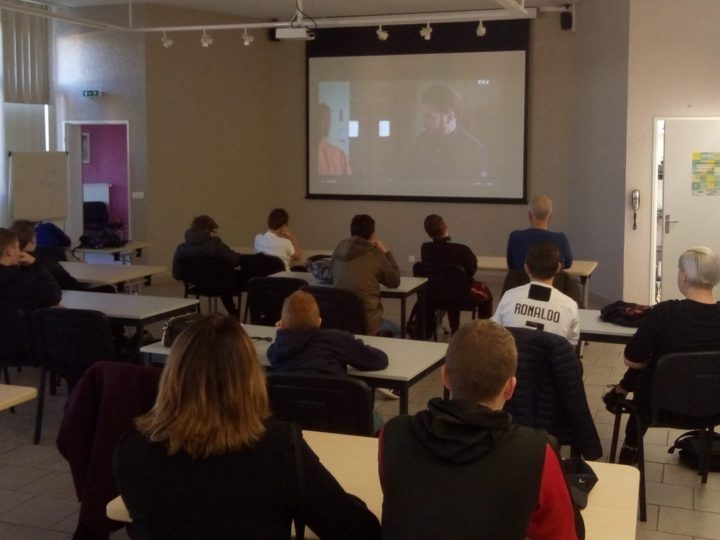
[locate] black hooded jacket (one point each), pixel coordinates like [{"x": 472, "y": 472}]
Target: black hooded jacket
[
  {"x": 200, "y": 243},
  {"x": 322, "y": 351},
  {"x": 28, "y": 287},
  {"x": 459, "y": 470}
]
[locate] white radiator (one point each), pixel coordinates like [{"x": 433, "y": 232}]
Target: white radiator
[{"x": 99, "y": 192}]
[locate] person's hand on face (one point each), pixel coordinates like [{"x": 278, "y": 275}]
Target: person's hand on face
[{"x": 25, "y": 259}]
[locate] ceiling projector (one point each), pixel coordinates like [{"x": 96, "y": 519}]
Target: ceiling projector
[{"x": 294, "y": 33}]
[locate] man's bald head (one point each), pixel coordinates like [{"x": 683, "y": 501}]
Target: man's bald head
[{"x": 541, "y": 207}]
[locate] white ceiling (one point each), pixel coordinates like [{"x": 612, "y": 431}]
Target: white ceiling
[{"x": 285, "y": 9}]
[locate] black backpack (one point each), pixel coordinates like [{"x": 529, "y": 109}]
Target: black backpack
[
  {"x": 101, "y": 238},
  {"x": 692, "y": 444}
]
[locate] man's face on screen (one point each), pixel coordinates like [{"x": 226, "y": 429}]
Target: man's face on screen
[{"x": 435, "y": 121}]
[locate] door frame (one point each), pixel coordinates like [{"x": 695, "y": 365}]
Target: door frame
[
  {"x": 657, "y": 210},
  {"x": 126, "y": 123}
]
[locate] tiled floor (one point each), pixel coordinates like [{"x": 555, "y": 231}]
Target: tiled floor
[{"x": 37, "y": 499}]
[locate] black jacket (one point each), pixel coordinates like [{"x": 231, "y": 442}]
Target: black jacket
[
  {"x": 28, "y": 287},
  {"x": 200, "y": 243},
  {"x": 550, "y": 394},
  {"x": 322, "y": 351},
  {"x": 452, "y": 470},
  {"x": 252, "y": 493},
  {"x": 445, "y": 251}
]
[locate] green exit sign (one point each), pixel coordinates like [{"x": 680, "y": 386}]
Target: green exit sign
[{"x": 91, "y": 93}]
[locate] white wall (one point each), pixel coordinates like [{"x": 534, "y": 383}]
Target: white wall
[{"x": 672, "y": 72}]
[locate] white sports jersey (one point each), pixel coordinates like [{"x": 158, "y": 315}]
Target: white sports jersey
[
  {"x": 536, "y": 305},
  {"x": 270, "y": 243}
]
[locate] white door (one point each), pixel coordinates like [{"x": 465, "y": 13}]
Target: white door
[{"x": 690, "y": 216}]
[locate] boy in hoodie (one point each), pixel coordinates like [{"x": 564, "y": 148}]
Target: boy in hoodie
[
  {"x": 361, "y": 264},
  {"x": 462, "y": 469},
  {"x": 24, "y": 283},
  {"x": 202, "y": 240},
  {"x": 301, "y": 346}
]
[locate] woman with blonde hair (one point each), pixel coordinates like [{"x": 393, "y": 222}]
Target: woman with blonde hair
[{"x": 209, "y": 461}]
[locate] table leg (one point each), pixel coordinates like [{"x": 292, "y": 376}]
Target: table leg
[
  {"x": 586, "y": 290},
  {"x": 404, "y": 398},
  {"x": 402, "y": 317}
]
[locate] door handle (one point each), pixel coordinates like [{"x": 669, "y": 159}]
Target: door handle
[{"x": 668, "y": 221}]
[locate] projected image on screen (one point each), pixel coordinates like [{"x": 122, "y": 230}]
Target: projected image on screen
[{"x": 431, "y": 125}]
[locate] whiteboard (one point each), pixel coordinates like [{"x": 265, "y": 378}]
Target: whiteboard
[{"x": 38, "y": 185}]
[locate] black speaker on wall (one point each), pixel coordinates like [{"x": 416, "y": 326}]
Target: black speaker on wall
[{"x": 566, "y": 20}]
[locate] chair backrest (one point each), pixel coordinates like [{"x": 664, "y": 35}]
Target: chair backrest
[
  {"x": 14, "y": 336},
  {"x": 206, "y": 275},
  {"x": 447, "y": 285},
  {"x": 95, "y": 213},
  {"x": 562, "y": 281},
  {"x": 266, "y": 296},
  {"x": 69, "y": 340},
  {"x": 687, "y": 384},
  {"x": 322, "y": 402},
  {"x": 340, "y": 309},
  {"x": 259, "y": 265}
]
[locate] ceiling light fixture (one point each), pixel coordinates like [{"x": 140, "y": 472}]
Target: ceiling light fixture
[
  {"x": 481, "y": 30},
  {"x": 247, "y": 38},
  {"x": 166, "y": 41},
  {"x": 206, "y": 40},
  {"x": 426, "y": 32},
  {"x": 382, "y": 34}
]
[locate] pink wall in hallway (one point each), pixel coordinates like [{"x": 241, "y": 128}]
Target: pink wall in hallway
[{"x": 108, "y": 163}]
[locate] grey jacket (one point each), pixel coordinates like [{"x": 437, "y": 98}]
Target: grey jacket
[{"x": 359, "y": 266}]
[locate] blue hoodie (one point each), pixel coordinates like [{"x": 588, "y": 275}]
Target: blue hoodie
[{"x": 322, "y": 352}]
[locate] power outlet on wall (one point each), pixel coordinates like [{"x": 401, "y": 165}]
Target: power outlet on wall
[{"x": 411, "y": 259}]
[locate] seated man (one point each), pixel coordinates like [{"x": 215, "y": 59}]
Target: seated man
[
  {"x": 462, "y": 468},
  {"x": 301, "y": 346},
  {"x": 520, "y": 241},
  {"x": 443, "y": 251},
  {"x": 24, "y": 283},
  {"x": 672, "y": 326},
  {"x": 202, "y": 240},
  {"x": 361, "y": 264},
  {"x": 25, "y": 231},
  {"x": 278, "y": 240},
  {"x": 538, "y": 304}
]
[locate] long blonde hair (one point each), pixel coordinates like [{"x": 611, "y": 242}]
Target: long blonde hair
[{"x": 212, "y": 397}]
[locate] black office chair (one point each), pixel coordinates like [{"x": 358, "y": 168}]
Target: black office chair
[
  {"x": 66, "y": 342},
  {"x": 257, "y": 265},
  {"x": 447, "y": 288},
  {"x": 550, "y": 394},
  {"x": 265, "y": 297},
  {"x": 209, "y": 276},
  {"x": 562, "y": 281},
  {"x": 323, "y": 402},
  {"x": 684, "y": 394},
  {"x": 340, "y": 309},
  {"x": 96, "y": 216}
]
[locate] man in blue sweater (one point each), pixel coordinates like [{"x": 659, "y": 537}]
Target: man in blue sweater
[
  {"x": 301, "y": 346},
  {"x": 520, "y": 241}
]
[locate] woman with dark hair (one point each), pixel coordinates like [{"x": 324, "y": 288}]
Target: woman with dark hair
[{"x": 208, "y": 460}]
